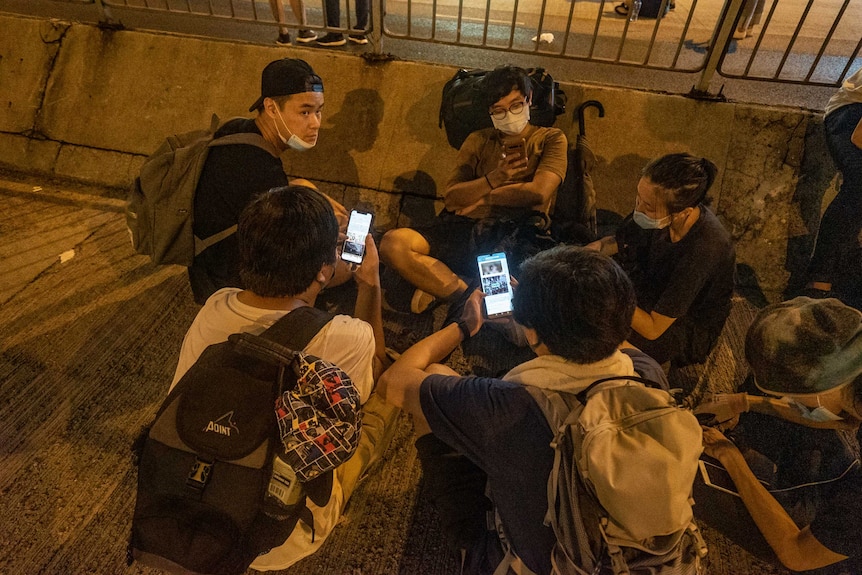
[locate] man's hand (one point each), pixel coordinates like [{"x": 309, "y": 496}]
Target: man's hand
[
  {"x": 715, "y": 444},
  {"x": 368, "y": 272},
  {"x": 507, "y": 170},
  {"x": 725, "y": 409}
]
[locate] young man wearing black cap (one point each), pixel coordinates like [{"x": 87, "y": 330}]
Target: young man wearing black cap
[
  {"x": 288, "y": 117},
  {"x": 797, "y": 477}
]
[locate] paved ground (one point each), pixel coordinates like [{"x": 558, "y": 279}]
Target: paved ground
[{"x": 89, "y": 341}]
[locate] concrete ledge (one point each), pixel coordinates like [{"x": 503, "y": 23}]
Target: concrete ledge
[{"x": 90, "y": 104}]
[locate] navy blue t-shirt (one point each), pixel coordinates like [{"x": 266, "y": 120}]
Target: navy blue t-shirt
[{"x": 500, "y": 428}]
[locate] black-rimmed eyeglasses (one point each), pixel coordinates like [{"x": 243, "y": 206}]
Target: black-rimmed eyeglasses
[{"x": 500, "y": 113}]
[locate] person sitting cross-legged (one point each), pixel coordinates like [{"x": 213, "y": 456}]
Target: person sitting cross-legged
[
  {"x": 487, "y": 186},
  {"x": 790, "y": 454},
  {"x": 575, "y": 306},
  {"x": 287, "y": 242}
]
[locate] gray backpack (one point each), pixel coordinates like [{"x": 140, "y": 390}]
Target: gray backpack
[
  {"x": 619, "y": 494},
  {"x": 160, "y": 209}
]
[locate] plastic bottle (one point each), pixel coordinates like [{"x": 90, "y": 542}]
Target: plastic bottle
[
  {"x": 634, "y": 10},
  {"x": 284, "y": 487}
]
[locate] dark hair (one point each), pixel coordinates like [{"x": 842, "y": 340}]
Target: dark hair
[
  {"x": 685, "y": 179},
  {"x": 279, "y": 102},
  {"x": 579, "y": 301},
  {"x": 500, "y": 82},
  {"x": 285, "y": 236}
]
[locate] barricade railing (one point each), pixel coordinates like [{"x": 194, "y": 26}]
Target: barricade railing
[{"x": 806, "y": 42}]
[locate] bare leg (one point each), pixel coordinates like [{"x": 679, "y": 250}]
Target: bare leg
[
  {"x": 406, "y": 251},
  {"x": 745, "y": 19},
  {"x": 277, "y": 7},
  {"x": 298, "y": 9}
]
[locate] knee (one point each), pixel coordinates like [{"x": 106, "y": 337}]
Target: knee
[{"x": 394, "y": 244}]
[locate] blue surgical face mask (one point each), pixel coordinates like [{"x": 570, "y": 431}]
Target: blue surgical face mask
[
  {"x": 819, "y": 414},
  {"x": 648, "y": 223},
  {"x": 294, "y": 142}
]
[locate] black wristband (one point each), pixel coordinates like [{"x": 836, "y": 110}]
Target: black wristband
[{"x": 465, "y": 330}]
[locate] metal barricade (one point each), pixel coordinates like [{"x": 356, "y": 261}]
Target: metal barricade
[
  {"x": 814, "y": 42},
  {"x": 809, "y": 42}
]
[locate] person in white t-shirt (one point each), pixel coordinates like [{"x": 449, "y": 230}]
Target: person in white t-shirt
[{"x": 288, "y": 250}]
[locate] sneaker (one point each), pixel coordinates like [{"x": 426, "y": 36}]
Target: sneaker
[
  {"x": 283, "y": 39},
  {"x": 306, "y": 36},
  {"x": 358, "y": 38},
  {"x": 421, "y": 301},
  {"x": 332, "y": 39}
]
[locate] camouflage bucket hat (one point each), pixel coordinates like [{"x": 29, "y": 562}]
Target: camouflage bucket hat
[{"x": 805, "y": 346}]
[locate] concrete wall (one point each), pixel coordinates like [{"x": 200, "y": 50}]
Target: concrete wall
[{"x": 90, "y": 104}]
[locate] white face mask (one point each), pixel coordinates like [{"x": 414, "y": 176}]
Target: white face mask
[
  {"x": 648, "y": 223},
  {"x": 294, "y": 142},
  {"x": 513, "y": 124},
  {"x": 819, "y": 413}
]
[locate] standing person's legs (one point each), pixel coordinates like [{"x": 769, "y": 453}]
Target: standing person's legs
[
  {"x": 298, "y": 9},
  {"x": 277, "y": 7},
  {"x": 363, "y": 9},
  {"x": 842, "y": 221},
  {"x": 745, "y": 17},
  {"x": 305, "y": 35},
  {"x": 332, "y": 17}
]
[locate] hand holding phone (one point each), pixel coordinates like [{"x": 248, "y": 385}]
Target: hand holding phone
[
  {"x": 517, "y": 149},
  {"x": 496, "y": 284},
  {"x": 358, "y": 226}
]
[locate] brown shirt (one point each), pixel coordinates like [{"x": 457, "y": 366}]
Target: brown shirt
[{"x": 481, "y": 152}]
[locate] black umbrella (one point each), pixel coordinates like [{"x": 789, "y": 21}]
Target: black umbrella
[{"x": 574, "y": 219}]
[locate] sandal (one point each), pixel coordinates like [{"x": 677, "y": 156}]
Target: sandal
[{"x": 622, "y": 10}]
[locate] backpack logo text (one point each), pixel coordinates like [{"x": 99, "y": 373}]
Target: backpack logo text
[{"x": 223, "y": 425}]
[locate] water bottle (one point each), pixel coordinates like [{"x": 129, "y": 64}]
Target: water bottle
[
  {"x": 284, "y": 487},
  {"x": 634, "y": 10}
]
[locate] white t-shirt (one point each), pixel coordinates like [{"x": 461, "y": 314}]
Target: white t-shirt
[
  {"x": 345, "y": 341},
  {"x": 849, "y": 93}
]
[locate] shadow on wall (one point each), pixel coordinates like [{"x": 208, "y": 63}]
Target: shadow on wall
[
  {"x": 360, "y": 115},
  {"x": 616, "y": 182},
  {"x": 418, "y": 187},
  {"x": 817, "y": 177}
]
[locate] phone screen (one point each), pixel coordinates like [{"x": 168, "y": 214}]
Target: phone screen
[
  {"x": 494, "y": 273},
  {"x": 354, "y": 245}
]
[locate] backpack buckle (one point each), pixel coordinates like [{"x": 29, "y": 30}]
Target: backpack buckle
[{"x": 199, "y": 475}]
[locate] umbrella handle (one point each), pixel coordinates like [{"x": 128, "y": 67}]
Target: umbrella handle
[{"x": 580, "y": 112}]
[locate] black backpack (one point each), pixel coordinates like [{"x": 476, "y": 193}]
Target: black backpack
[
  {"x": 463, "y": 109},
  {"x": 205, "y": 473}
]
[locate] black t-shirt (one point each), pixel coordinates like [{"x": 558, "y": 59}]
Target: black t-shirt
[
  {"x": 691, "y": 279},
  {"x": 232, "y": 176},
  {"x": 501, "y": 429}
]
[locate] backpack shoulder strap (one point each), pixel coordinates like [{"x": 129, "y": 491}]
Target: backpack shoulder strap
[
  {"x": 584, "y": 394},
  {"x": 249, "y": 138},
  {"x": 298, "y": 327}
]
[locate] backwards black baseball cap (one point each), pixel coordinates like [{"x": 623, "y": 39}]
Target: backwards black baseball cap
[{"x": 287, "y": 76}]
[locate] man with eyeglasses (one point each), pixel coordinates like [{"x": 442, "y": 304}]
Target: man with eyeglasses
[{"x": 508, "y": 173}]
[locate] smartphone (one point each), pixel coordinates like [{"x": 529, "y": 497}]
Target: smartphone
[
  {"x": 358, "y": 225},
  {"x": 494, "y": 275},
  {"x": 519, "y": 148}
]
